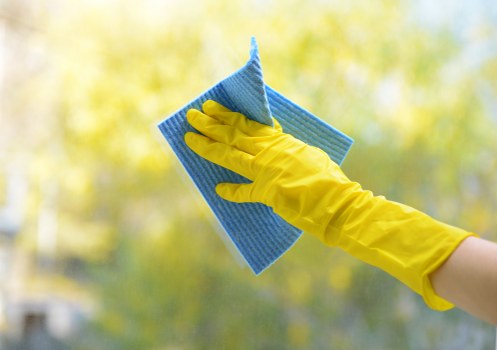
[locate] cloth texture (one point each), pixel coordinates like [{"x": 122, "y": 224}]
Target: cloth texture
[{"x": 257, "y": 232}]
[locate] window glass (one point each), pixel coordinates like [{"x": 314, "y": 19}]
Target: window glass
[{"x": 115, "y": 249}]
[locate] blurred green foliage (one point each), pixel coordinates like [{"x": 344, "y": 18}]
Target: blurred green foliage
[{"x": 149, "y": 250}]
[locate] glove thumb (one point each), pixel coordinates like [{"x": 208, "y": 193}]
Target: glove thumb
[{"x": 239, "y": 193}]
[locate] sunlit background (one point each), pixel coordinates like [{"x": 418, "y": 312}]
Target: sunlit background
[{"x": 106, "y": 245}]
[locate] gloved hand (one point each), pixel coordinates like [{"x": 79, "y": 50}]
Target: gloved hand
[{"x": 307, "y": 189}]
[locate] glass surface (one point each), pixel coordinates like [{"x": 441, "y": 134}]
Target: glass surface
[{"x": 105, "y": 243}]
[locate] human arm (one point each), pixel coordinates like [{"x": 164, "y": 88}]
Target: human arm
[
  {"x": 468, "y": 278},
  {"x": 306, "y": 188}
]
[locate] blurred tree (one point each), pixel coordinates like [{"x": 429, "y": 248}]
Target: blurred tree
[{"x": 424, "y": 135}]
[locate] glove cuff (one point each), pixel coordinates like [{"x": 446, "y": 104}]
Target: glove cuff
[{"x": 404, "y": 242}]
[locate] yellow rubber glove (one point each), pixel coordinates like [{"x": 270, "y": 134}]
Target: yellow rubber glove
[{"x": 307, "y": 189}]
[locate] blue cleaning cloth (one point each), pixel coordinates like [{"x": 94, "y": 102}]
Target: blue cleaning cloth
[{"x": 258, "y": 233}]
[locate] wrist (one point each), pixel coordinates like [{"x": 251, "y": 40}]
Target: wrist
[{"x": 347, "y": 207}]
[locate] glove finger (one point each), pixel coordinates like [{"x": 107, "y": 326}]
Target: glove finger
[
  {"x": 215, "y": 107},
  {"x": 238, "y": 193},
  {"x": 238, "y": 120},
  {"x": 220, "y": 132},
  {"x": 277, "y": 125},
  {"x": 211, "y": 127},
  {"x": 221, "y": 154}
]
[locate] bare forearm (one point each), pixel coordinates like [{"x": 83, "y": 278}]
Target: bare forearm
[{"x": 468, "y": 278}]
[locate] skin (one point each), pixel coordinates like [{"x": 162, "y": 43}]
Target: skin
[{"x": 468, "y": 278}]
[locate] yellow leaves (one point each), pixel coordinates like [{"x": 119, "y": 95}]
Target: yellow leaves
[
  {"x": 340, "y": 277},
  {"x": 300, "y": 286},
  {"x": 3, "y": 188},
  {"x": 116, "y": 68},
  {"x": 86, "y": 240},
  {"x": 77, "y": 181},
  {"x": 298, "y": 334},
  {"x": 113, "y": 321}
]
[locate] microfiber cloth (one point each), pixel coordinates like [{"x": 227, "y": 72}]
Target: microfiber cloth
[{"x": 258, "y": 233}]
